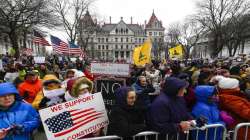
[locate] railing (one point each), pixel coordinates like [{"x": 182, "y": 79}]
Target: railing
[
  {"x": 240, "y": 126},
  {"x": 155, "y": 136}
]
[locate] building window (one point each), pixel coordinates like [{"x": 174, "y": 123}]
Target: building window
[
  {"x": 116, "y": 39},
  {"x": 127, "y": 54},
  {"x": 116, "y": 47},
  {"x": 126, "y": 31},
  {"x": 116, "y": 54},
  {"x": 135, "y": 40},
  {"x": 121, "y": 47},
  {"x": 160, "y": 33},
  {"x": 121, "y": 39},
  {"x": 143, "y": 39},
  {"x": 116, "y": 31},
  {"x": 155, "y": 33},
  {"x": 103, "y": 47},
  {"x": 127, "y": 47},
  {"x": 150, "y": 33},
  {"x": 107, "y": 47},
  {"x": 102, "y": 40},
  {"x": 99, "y": 47},
  {"x": 139, "y": 40},
  {"x": 122, "y": 54},
  {"x": 127, "y": 39},
  {"x": 99, "y": 40},
  {"x": 107, "y": 40}
]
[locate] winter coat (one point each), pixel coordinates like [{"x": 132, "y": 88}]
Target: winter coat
[
  {"x": 235, "y": 105},
  {"x": 168, "y": 109},
  {"x": 143, "y": 93},
  {"x": 29, "y": 90},
  {"x": 208, "y": 110},
  {"x": 19, "y": 113},
  {"x": 126, "y": 121},
  {"x": 42, "y": 101}
]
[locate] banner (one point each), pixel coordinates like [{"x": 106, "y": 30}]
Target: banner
[
  {"x": 110, "y": 69},
  {"x": 1, "y": 64},
  {"x": 176, "y": 52},
  {"x": 39, "y": 60},
  {"x": 107, "y": 87},
  {"x": 142, "y": 54},
  {"x": 74, "y": 119}
]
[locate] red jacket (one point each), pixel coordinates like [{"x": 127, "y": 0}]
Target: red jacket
[{"x": 29, "y": 90}]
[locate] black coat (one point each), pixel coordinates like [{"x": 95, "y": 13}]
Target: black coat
[{"x": 126, "y": 122}]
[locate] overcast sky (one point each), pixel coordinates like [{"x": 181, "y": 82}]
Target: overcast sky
[{"x": 168, "y": 11}]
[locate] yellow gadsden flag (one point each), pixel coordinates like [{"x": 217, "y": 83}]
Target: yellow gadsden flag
[
  {"x": 176, "y": 52},
  {"x": 142, "y": 54}
]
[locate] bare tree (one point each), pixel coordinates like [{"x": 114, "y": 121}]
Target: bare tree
[
  {"x": 187, "y": 35},
  {"x": 70, "y": 13},
  {"x": 214, "y": 15},
  {"x": 19, "y": 15}
]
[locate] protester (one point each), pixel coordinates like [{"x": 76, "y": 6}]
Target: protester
[
  {"x": 142, "y": 89},
  {"x": 30, "y": 87},
  {"x": 78, "y": 88},
  {"x": 168, "y": 113},
  {"x": 126, "y": 118},
  {"x": 233, "y": 102},
  {"x": 51, "y": 94},
  {"x": 18, "y": 119},
  {"x": 207, "y": 106}
]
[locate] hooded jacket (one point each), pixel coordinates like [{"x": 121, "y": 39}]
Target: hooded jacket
[
  {"x": 29, "y": 90},
  {"x": 209, "y": 110},
  {"x": 168, "y": 110},
  {"x": 19, "y": 113},
  {"x": 125, "y": 121},
  {"x": 73, "y": 87},
  {"x": 40, "y": 97}
]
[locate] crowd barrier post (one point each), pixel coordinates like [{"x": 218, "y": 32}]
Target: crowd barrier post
[{"x": 241, "y": 125}]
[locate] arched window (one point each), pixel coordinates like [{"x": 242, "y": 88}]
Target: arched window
[
  {"x": 116, "y": 31},
  {"x": 126, "y": 31}
]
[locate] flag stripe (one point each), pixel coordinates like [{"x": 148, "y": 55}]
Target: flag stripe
[
  {"x": 86, "y": 114},
  {"x": 77, "y": 126},
  {"x": 75, "y": 123},
  {"x": 86, "y": 110}
]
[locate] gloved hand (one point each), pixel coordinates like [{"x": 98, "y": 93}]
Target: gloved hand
[
  {"x": 226, "y": 118},
  {"x": 16, "y": 129},
  {"x": 43, "y": 103},
  {"x": 201, "y": 121}
]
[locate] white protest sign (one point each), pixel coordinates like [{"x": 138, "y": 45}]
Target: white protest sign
[
  {"x": 110, "y": 69},
  {"x": 39, "y": 60},
  {"x": 1, "y": 64},
  {"x": 74, "y": 119},
  {"x": 73, "y": 59}
]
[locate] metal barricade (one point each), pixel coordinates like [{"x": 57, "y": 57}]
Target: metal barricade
[
  {"x": 216, "y": 127},
  {"x": 105, "y": 138},
  {"x": 238, "y": 127}
]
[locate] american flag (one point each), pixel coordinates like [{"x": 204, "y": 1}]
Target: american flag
[
  {"x": 59, "y": 46},
  {"x": 38, "y": 38},
  {"x": 69, "y": 121},
  {"x": 74, "y": 49}
]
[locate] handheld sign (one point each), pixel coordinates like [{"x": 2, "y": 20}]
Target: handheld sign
[
  {"x": 110, "y": 69},
  {"x": 107, "y": 87},
  {"x": 39, "y": 60},
  {"x": 74, "y": 119}
]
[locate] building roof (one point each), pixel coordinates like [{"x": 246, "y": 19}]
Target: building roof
[
  {"x": 134, "y": 27},
  {"x": 87, "y": 20},
  {"x": 153, "y": 19}
]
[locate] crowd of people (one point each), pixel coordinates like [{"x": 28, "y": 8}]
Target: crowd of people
[{"x": 166, "y": 97}]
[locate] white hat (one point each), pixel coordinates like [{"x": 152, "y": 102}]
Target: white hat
[
  {"x": 83, "y": 86},
  {"x": 228, "y": 83}
]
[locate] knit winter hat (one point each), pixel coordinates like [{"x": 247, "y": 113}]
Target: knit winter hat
[{"x": 228, "y": 83}]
